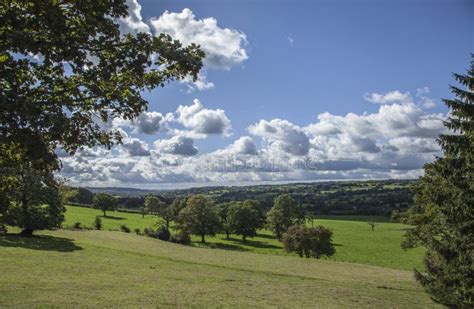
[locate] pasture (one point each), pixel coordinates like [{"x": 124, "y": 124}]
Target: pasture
[
  {"x": 355, "y": 241},
  {"x": 67, "y": 268}
]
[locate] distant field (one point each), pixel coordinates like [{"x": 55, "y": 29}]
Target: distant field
[
  {"x": 109, "y": 269},
  {"x": 354, "y": 240}
]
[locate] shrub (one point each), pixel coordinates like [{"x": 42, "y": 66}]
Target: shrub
[
  {"x": 309, "y": 241},
  {"x": 98, "y": 223},
  {"x": 181, "y": 237},
  {"x": 149, "y": 232},
  {"x": 3, "y": 229},
  {"x": 125, "y": 228},
  {"x": 77, "y": 225},
  {"x": 163, "y": 233},
  {"x": 137, "y": 231}
]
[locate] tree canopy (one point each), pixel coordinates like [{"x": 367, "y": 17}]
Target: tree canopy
[
  {"x": 285, "y": 212},
  {"x": 200, "y": 217}
]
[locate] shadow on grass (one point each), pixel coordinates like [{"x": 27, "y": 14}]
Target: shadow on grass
[
  {"x": 112, "y": 217},
  {"x": 43, "y": 242},
  {"x": 219, "y": 246},
  {"x": 267, "y": 236},
  {"x": 254, "y": 243}
]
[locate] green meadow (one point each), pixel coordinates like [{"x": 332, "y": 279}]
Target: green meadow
[
  {"x": 87, "y": 268},
  {"x": 354, "y": 240}
]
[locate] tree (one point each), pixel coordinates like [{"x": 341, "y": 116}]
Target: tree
[
  {"x": 155, "y": 205},
  {"x": 372, "y": 225},
  {"x": 104, "y": 202},
  {"x": 199, "y": 217},
  {"x": 245, "y": 218},
  {"x": 66, "y": 69},
  {"x": 29, "y": 198},
  {"x": 225, "y": 218},
  {"x": 176, "y": 206},
  {"x": 285, "y": 212},
  {"x": 309, "y": 241},
  {"x": 443, "y": 212}
]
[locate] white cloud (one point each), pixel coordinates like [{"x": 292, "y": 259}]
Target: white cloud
[
  {"x": 244, "y": 146},
  {"x": 135, "y": 147},
  {"x": 203, "y": 121},
  {"x": 146, "y": 123},
  {"x": 200, "y": 84},
  {"x": 282, "y": 134},
  {"x": 224, "y": 47},
  {"x": 133, "y": 23},
  {"x": 177, "y": 145},
  {"x": 388, "y": 98}
]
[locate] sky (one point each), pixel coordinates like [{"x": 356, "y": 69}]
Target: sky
[{"x": 290, "y": 91}]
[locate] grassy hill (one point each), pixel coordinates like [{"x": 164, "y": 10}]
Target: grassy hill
[
  {"x": 107, "y": 269},
  {"x": 355, "y": 242}
]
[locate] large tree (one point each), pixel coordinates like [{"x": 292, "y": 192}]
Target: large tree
[
  {"x": 65, "y": 71},
  {"x": 245, "y": 218},
  {"x": 284, "y": 213},
  {"x": 199, "y": 217},
  {"x": 443, "y": 213}
]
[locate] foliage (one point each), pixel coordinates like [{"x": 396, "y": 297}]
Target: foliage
[
  {"x": 245, "y": 218},
  {"x": 443, "y": 213},
  {"x": 226, "y": 222},
  {"x": 31, "y": 198},
  {"x": 98, "y": 223},
  {"x": 176, "y": 206},
  {"x": 149, "y": 232},
  {"x": 78, "y": 225},
  {"x": 285, "y": 212},
  {"x": 64, "y": 65},
  {"x": 83, "y": 196},
  {"x": 104, "y": 202},
  {"x": 125, "y": 228},
  {"x": 163, "y": 233},
  {"x": 309, "y": 241},
  {"x": 181, "y": 237},
  {"x": 199, "y": 217}
]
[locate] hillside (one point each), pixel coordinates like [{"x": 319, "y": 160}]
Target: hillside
[
  {"x": 354, "y": 240},
  {"x": 107, "y": 269}
]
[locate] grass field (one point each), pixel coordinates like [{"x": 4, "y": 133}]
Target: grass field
[
  {"x": 108, "y": 269},
  {"x": 354, "y": 240}
]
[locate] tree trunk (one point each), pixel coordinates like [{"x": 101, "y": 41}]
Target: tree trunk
[
  {"x": 227, "y": 235},
  {"x": 143, "y": 215},
  {"x": 244, "y": 237},
  {"x": 167, "y": 223},
  {"x": 105, "y": 214},
  {"x": 203, "y": 240},
  {"x": 26, "y": 232}
]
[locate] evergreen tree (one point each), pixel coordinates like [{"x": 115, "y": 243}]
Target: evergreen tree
[{"x": 443, "y": 213}]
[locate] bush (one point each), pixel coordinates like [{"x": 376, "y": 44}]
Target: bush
[
  {"x": 163, "y": 233},
  {"x": 3, "y": 229},
  {"x": 309, "y": 241},
  {"x": 125, "y": 228},
  {"x": 137, "y": 231},
  {"x": 98, "y": 223},
  {"x": 149, "y": 232},
  {"x": 77, "y": 225},
  {"x": 181, "y": 237}
]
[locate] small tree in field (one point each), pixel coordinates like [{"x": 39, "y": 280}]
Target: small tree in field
[
  {"x": 104, "y": 202},
  {"x": 200, "y": 217},
  {"x": 309, "y": 241},
  {"x": 372, "y": 225},
  {"x": 285, "y": 212},
  {"x": 245, "y": 218}
]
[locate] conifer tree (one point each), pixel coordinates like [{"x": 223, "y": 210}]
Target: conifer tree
[{"x": 443, "y": 213}]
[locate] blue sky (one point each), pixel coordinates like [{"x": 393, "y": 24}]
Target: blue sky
[{"x": 303, "y": 59}]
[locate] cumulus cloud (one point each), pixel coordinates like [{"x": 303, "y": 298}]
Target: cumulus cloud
[
  {"x": 388, "y": 98},
  {"x": 135, "y": 147},
  {"x": 244, "y": 146},
  {"x": 283, "y": 135},
  {"x": 177, "y": 145},
  {"x": 224, "y": 47},
  {"x": 393, "y": 142},
  {"x": 202, "y": 121},
  {"x": 133, "y": 23},
  {"x": 146, "y": 123}
]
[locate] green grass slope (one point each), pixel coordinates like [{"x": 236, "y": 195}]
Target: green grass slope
[
  {"x": 355, "y": 242},
  {"x": 114, "y": 269}
]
